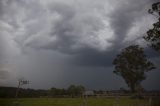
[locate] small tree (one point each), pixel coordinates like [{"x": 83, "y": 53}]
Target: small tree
[
  {"x": 72, "y": 90},
  {"x": 80, "y": 90},
  {"x": 153, "y": 35},
  {"x": 132, "y": 65}
]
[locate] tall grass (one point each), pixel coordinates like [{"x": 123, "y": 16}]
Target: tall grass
[{"x": 80, "y": 102}]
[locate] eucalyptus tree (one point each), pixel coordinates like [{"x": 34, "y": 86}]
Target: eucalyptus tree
[{"x": 131, "y": 64}]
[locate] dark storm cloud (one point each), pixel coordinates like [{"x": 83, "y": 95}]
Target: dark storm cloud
[
  {"x": 71, "y": 29},
  {"x": 76, "y": 28},
  {"x": 72, "y": 33},
  {"x": 68, "y": 42},
  {"x": 93, "y": 58}
]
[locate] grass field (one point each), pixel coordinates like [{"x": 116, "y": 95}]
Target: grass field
[{"x": 79, "y": 102}]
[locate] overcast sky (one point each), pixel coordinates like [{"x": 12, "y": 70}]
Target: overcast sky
[{"x": 55, "y": 43}]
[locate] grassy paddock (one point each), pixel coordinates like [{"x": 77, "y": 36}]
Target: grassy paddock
[{"x": 123, "y": 101}]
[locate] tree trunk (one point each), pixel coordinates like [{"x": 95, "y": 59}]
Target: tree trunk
[{"x": 133, "y": 88}]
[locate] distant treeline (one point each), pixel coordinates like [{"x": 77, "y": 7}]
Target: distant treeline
[
  {"x": 71, "y": 91},
  {"x": 9, "y": 92}
]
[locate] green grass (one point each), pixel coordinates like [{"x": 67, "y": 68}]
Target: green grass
[{"x": 78, "y": 102}]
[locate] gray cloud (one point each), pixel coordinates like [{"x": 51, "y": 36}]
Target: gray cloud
[
  {"x": 125, "y": 16},
  {"x": 4, "y": 74},
  {"x": 72, "y": 31},
  {"x": 70, "y": 28}
]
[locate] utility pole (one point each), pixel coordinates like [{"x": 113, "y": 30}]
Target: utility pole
[{"x": 20, "y": 83}]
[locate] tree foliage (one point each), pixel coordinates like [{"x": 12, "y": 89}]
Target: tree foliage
[
  {"x": 71, "y": 91},
  {"x": 132, "y": 65},
  {"x": 75, "y": 90},
  {"x": 153, "y": 35}
]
